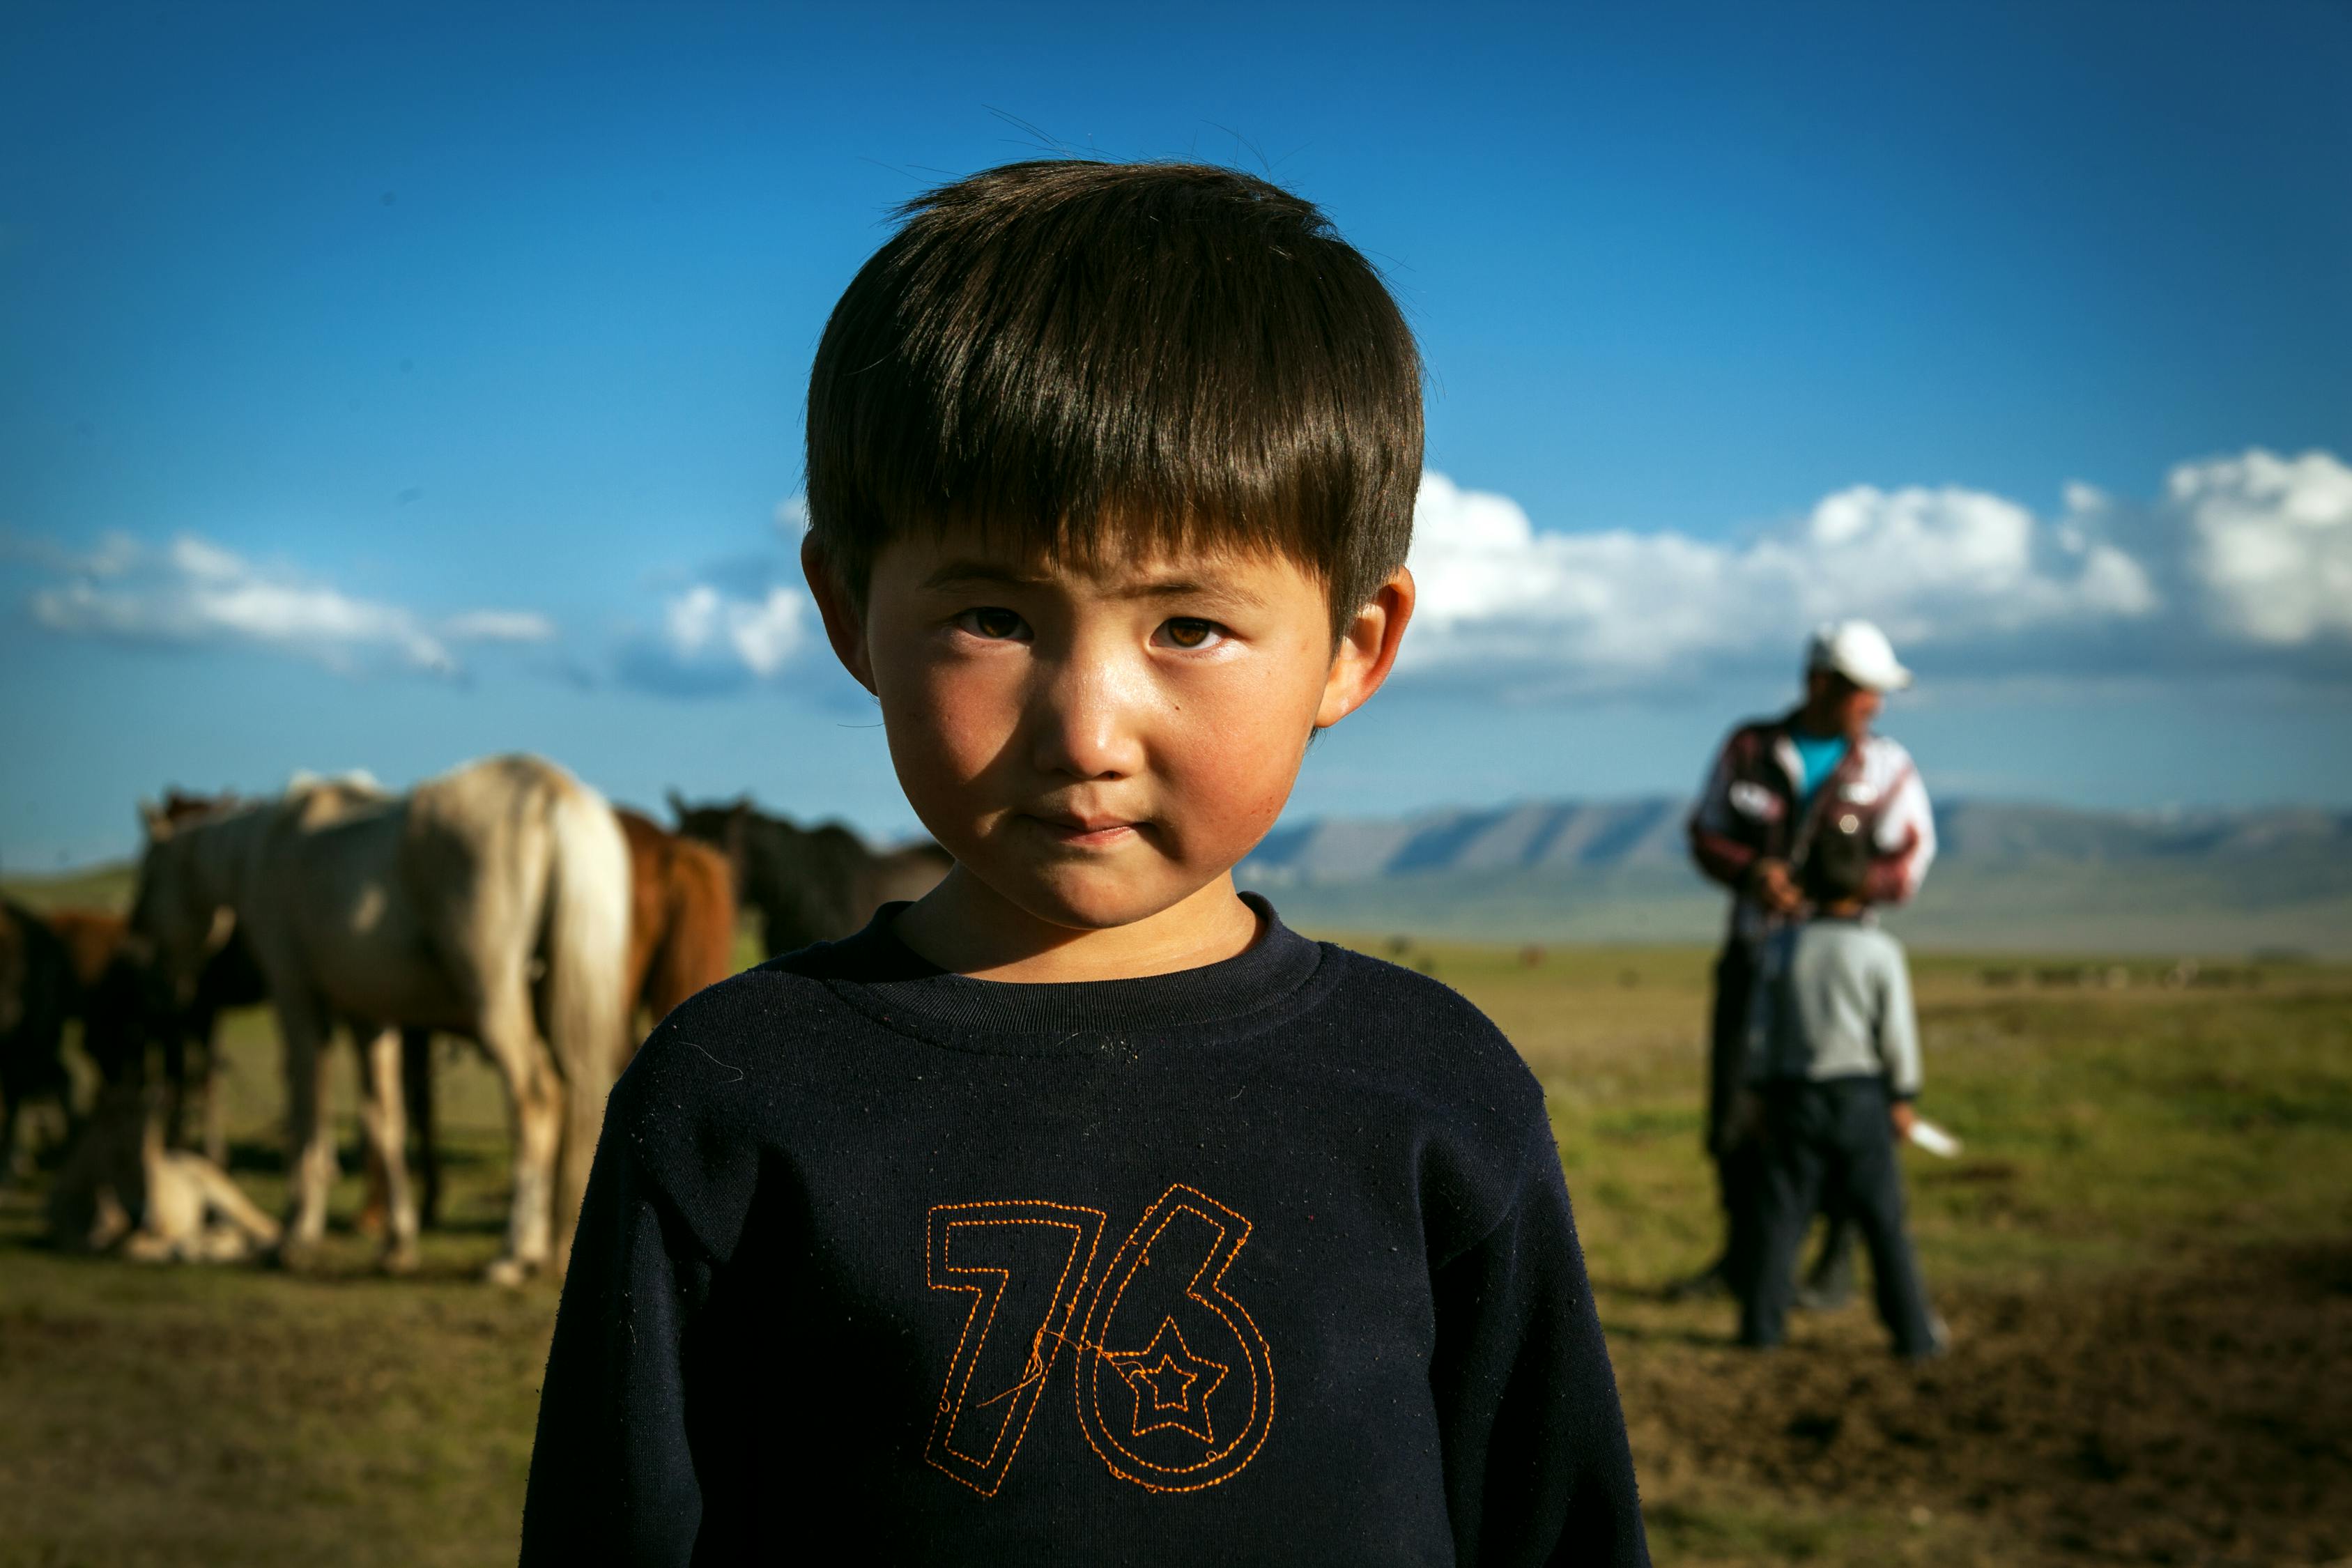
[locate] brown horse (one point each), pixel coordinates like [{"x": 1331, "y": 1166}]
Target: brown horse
[
  {"x": 681, "y": 939},
  {"x": 809, "y": 884},
  {"x": 682, "y": 916}
]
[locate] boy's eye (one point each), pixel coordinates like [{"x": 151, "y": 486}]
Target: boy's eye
[
  {"x": 1190, "y": 632},
  {"x": 993, "y": 622}
]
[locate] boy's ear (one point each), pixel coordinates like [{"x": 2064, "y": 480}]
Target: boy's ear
[
  {"x": 1368, "y": 649},
  {"x": 845, "y": 628}
]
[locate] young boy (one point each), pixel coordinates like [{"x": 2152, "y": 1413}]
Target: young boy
[
  {"x": 1081, "y": 1211},
  {"x": 1832, "y": 1069}
]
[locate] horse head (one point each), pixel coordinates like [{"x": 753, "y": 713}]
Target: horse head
[
  {"x": 175, "y": 918},
  {"x": 725, "y": 826}
]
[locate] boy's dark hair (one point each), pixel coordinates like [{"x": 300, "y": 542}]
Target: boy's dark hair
[
  {"x": 1077, "y": 356},
  {"x": 1837, "y": 865}
]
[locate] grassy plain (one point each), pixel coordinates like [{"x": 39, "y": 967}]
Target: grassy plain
[{"x": 2146, "y": 1255}]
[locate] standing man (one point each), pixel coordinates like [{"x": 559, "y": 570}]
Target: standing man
[{"x": 1774, "y": 787}]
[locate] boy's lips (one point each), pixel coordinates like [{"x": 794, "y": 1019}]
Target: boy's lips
[{"x": 1083, "y": 832}]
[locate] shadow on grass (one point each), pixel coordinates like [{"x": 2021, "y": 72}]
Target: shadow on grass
[
  {"x": 345, "y": 1261},
  {"x": 267, "y": 1157}
]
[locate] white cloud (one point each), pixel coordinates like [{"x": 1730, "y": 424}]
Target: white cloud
[
  {"x": 194, "y": 591},
  {"x": 1615, "y": 607},
  {"x": 498, "y": 626},
  {"x": 738, "y": 621},
  {"x": 2270, "y": 541},
  {"x": 704, "y": 627}
]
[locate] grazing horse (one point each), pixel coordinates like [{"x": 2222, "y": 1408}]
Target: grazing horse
[
  {"x": 35, "y": 991},
  {"x": 230, "y": 978},
  {"x": 430, "y": 909},
  {"x": 809, "y": 885},
  {"x": 681, "y": 939}
]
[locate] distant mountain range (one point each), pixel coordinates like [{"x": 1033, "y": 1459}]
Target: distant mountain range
[{"x": 2008, "y": 876}]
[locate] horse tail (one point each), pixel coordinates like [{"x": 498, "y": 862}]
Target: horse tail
[
  {"x": 587, "y": 932},
  {"x": 586, "y": 950}
]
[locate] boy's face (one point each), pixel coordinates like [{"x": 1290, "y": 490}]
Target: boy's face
[
  {"x": 1098, "y": 744},
  {"x": 1837, "y": 706}
]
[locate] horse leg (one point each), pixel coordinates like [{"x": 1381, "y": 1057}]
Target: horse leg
[
  {"x": 309, "y": 1138},
  {"x": 208, "y": 1088},
  {"x": 387, "y": 1133},
  {"x": 373, "y": 1205},
  {"x": 512, "y": 1041},
  {"x": 416, "y": 1087},
  {"x": 239, "y": 1215},
  {"x": 8, "y": 1109},
  {"x": 175, "y": 1085}
]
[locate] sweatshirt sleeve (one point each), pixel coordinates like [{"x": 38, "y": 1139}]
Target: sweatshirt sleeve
[
  {"x": 1899, "y": 1028},
  {"x": 612, "y": 1478},
  {"x": 1536, "y": 1466},
  {"x": 1714, "y": 845}
]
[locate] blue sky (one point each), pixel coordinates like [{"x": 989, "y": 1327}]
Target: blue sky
[{"x": 380, "y": 385}]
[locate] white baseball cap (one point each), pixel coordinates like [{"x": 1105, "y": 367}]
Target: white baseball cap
[{"x": 1859, "y": 651}]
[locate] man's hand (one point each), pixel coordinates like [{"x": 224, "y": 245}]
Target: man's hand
[
  {"x": 1774, "y": 888},
  {"x": 1900, "y": 1113}
]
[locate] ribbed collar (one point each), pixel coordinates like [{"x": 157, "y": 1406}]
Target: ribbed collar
[{"x": 1272, "y": 979}]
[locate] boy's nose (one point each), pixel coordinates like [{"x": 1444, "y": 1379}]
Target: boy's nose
[{"x": 1082, "y": 721}]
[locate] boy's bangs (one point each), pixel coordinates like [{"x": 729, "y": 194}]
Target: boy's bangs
[
  {"x": 1086, "y": 472},
  {"x": 1080, "y": 360},
  {"x": 1125, "y": 529}
]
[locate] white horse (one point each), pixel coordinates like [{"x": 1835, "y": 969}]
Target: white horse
[{"x": 491, "y": 901}]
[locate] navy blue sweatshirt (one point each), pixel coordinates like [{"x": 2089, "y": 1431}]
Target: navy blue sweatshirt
[{"x": 1268, "y": 1261}]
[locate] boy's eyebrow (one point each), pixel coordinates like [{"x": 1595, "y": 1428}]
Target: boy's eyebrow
[
  {"x": 1188, "y": 588},
  {"x": 958, "y": 574},
  {"x": 955, "y": 572}
]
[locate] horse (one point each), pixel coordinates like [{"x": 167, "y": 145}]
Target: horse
[
  {"x": 112, "y": 995},
  {"x": 120, "y": 1186},
  {"x": 121, "y": 1011},
  {"x": 230, "y": 978},
  {"x": 681, "y": 939},
  {"x": 36, "y": 991},
  {"x": 431, "y": 910},
  {"x": 809, "y": 885},
  {"x": 681, "y": 919}
]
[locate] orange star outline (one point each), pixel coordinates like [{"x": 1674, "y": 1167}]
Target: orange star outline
[{"x": 1146, "y": 1372}]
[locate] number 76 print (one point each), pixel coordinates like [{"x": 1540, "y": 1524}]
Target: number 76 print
[{"x": 1174, "y": 1385}]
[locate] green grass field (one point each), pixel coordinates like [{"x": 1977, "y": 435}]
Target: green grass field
[{"x": 2144, "y": 1254}]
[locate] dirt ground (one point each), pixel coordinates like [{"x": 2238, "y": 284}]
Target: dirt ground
[{"x": 2199, "y": 1413}]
